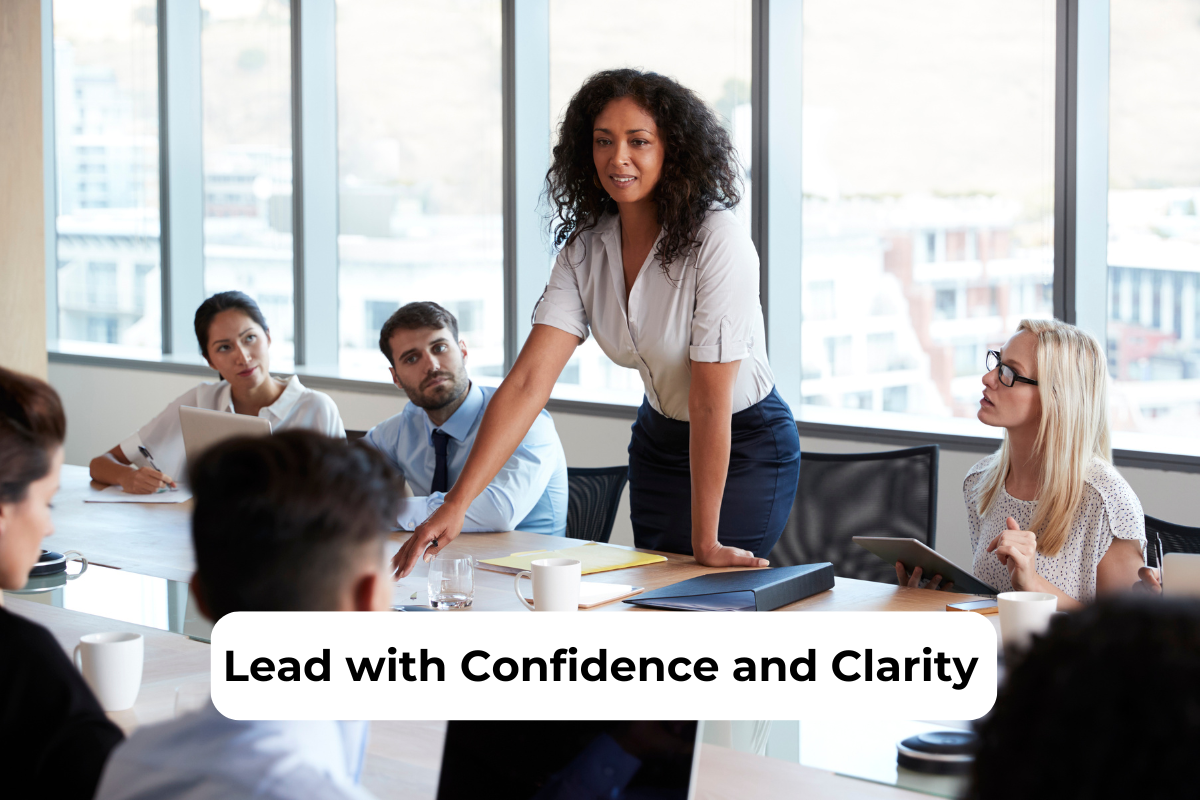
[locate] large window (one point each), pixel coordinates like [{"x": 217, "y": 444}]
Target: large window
[
  {"x": 1154, "y": 217},
  {"x": 420, "y": 173},
  {"x": 707, "y": 49},
  {"x": 106, "y": 168},
  {"x": 246, "y": 83},
  {"x": 928, "y": 170}
]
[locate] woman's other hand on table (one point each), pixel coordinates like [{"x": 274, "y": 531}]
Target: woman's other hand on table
[
  {"x": 443, "y": 526},
  {"x": 718, "y": 555}
]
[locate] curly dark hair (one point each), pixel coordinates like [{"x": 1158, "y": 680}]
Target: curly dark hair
[{"x": 700, "y": 167}]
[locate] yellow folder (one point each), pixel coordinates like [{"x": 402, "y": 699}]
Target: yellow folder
[{"x": 592, "y": 557}]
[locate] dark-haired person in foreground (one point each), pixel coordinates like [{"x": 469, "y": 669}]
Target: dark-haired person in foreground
[
  {"x": 54, "y": 737},
  {"x": 429, "y": 441},
  {"x": 235, "y": 341},
  {"x": 657, "y": 267},
  {"x": 292, "y": 522},
  {"x": 1106, "y": 705}
]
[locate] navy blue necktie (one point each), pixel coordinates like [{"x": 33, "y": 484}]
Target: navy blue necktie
[{"x": 441, "y": 474}]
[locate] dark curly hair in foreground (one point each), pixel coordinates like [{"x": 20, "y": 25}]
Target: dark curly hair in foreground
[
  {"x": 700, "y": 168},
  {"x": 1106, "y": 705}
]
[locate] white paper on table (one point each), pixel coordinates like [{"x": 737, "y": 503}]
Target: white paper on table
[{"x": 115, "y": 494}]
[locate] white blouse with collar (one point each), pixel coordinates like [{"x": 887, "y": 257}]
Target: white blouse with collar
[
  {"x": 297, "y": 407},
  {"x": 707, "y": 310}
]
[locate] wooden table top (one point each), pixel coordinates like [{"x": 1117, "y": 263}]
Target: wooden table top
[{"x": 155, "y": 539}]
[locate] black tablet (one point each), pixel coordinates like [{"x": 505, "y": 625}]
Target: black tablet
[{"x": 913, "y": 553}]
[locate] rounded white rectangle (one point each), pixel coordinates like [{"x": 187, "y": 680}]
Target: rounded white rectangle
[{"x": 503, "y": 666}]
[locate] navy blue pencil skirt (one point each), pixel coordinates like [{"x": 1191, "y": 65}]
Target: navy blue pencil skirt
[{"x": 764, "y": 467}]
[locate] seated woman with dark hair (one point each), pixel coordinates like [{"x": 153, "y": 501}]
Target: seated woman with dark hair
[
  {"x": 234, "y": 340},
  {"x": 54, "y": 737}
]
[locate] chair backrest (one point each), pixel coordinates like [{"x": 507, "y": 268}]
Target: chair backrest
[
  {"x": 1174, "y": 538},
  {"x": 352, "y": 435},
  {"x": 841, "y": 495},
  {"x": 593, "y": 496}
]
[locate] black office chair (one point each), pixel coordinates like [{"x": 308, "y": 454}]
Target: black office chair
[
  {"x": 353, "y": 435},
  {"x": 593, "y": 494},
  {"x": 1174, "y": 538},
  {"x": 841, "y": 495}
]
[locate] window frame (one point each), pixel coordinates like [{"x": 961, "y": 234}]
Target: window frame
[{"x": 1080, "y": 289}]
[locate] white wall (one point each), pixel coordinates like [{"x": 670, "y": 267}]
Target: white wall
[{"x": 104, "y": 405}]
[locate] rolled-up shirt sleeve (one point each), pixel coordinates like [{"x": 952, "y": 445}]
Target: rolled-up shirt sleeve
[
  {"x": 561, "y": 305},
  {"x": 727, "y": 303}
]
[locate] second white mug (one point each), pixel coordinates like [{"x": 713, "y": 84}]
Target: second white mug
[
  {"x": 555, "y": 584},
  {"x": 111, "y": 664}
]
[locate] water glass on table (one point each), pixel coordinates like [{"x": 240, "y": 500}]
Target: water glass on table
[{"x": 452, "y": 582}]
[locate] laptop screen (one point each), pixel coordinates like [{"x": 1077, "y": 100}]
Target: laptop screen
[{"x": 568, "y": 760}]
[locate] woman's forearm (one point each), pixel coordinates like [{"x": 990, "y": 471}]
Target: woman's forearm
[
  {"x": 106, "y": 469},
  {"x": 709, "y": 437},
  {"x": 710, "y": 413},
  {"x": 1065, "y": 601},
  {"x": 512, "y": 410}
]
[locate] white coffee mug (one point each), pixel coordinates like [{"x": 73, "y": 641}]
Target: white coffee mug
[
  {"x": 111, "y": 664},
  {"x": 1024, "y": 615},
  {"x": 555, "y": 584}
]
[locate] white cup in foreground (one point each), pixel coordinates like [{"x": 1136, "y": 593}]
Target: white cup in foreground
[
  {"x": 1024, "y": 615},
  {"x": 555, "y": 584},
  {"x": 111, "y": 664}
]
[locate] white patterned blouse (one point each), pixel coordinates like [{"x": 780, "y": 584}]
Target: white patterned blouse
[{"x": 1109, "y": 510}]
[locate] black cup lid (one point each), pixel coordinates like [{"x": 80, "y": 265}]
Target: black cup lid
[
  {"x": 49, "y": 563},
  {"x": 947, "y": 743}
]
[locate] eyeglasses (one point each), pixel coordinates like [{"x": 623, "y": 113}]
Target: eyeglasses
[{"x": 1007, "y": 374}]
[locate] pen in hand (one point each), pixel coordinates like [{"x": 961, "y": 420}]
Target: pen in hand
[{"x": 146, "y": 455}]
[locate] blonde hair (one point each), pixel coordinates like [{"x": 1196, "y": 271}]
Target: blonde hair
[{"x": 1072, "y": 376}]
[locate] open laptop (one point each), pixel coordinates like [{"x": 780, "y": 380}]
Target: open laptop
[
  {"x": 202, "y": 428},
  {"x": 565, "y": 760},
  {"x": 1181, "y": 575}
]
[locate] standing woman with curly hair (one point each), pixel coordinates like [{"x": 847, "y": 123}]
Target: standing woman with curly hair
[{"x": 655, "y": 265}]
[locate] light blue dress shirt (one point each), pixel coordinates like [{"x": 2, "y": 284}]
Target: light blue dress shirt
[
  {"x": 207, "y": 756},
  {"x": 528, "y": 494}
]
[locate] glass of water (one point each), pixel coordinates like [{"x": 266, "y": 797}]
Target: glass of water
[{"x": 451, "y": 582}]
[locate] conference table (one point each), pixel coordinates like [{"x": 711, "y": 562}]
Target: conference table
[{"x": 154, "y": 541}]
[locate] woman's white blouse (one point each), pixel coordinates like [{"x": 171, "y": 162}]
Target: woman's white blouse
[
  {"x": 1109, "y": 510},
  {"x": 707, "y": 309},
  {"x": 297, "y": 407}
]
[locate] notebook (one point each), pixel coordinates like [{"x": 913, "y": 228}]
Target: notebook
[
  {"x": 741, "y": 590},
  {"x": 593, "y": 557}
]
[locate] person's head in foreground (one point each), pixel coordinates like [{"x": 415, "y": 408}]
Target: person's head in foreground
[
  {"x": 32, "y": 429},
  {"x": 427, "y": 360},
  {"x": 632, "y": 137},
  {"x": 295, "y": 521},
  {"x": 292, "y": 522},
  {"x": 1106, "y": 705}
]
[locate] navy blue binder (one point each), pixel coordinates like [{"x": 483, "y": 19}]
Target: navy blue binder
[{"x": 741, "y": 590}]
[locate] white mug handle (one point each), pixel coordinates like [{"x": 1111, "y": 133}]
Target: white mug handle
[
  {"x": 77, "y": 659},
  {"x": 75, "y": 555},
  {"x": 517, "y": 588}
]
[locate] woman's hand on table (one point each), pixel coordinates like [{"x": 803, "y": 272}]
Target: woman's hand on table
[
  {"x": 443, "y": 526},
  {"x": 718, "y": 555},
  {"x": 913, "y": 579},
  {"x": 145, "y": 481},
  {"x": 1149, "y": 581},
  {"x": 1017, "y": 551}
]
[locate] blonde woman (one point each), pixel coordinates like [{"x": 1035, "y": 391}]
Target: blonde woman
[{"x": 1048, "y": 512}]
